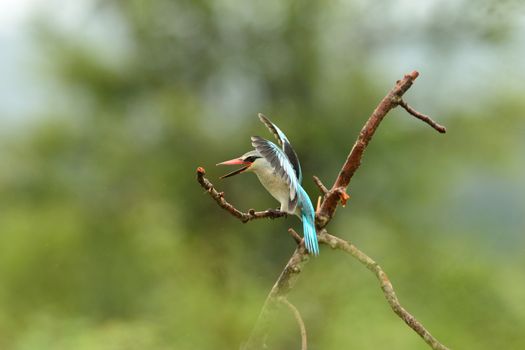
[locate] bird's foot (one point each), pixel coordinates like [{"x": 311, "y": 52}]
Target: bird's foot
[
  {"x": 276, "y": 213},
  {"x": 283, "y": 213}
]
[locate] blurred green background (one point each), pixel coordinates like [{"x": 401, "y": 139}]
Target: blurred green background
[{"x": 107, "y": 108}]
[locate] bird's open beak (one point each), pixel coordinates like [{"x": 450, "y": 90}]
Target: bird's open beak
[{"x": 235, "y": 162}]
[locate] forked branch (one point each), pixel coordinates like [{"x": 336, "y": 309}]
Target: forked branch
[
  {"x": 422, "y": 117},
  {"x": 219, "y": 198},
  {"x": 353, "y": 161},
  {"x": 290, "y": 275},
  {"x": 325, "y": 212},
  {"x": 388, "y": 290}
]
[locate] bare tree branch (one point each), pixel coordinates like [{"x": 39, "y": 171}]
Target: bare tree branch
[
  {"x": 289, "y": 277},
  {"x": 281, "y": 288},
  {"x": 420, "y": 116},
  {"x": 353, "y": 161},
  {"x": 219, "y": 198},
  {"x": 300, "y": 322},
  {"x": 320, "y": 185},
  {"x": 388, "y": 290},
  {"x": 297, "y": 238},
  {"x": 325, "y": 212}
]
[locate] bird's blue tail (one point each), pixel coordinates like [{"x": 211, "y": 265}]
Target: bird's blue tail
[{"x": 308, "y": 218}]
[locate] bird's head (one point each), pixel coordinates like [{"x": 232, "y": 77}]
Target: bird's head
[{"x": 246, "y": 160}]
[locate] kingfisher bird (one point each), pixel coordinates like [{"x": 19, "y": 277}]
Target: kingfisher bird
[{"x": 279, "y": 171}]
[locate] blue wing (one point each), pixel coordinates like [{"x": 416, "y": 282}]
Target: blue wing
[
  {"x": 285, "y": 145},
  {"x": 286, "y": 165},
  {"x": 280, "y": 163}
]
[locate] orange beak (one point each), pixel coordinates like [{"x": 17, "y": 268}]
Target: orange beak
[{"x": 235, "y": 162}]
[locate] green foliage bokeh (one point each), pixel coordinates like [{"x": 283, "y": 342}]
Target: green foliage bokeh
[{"x": 107, "y": 241}]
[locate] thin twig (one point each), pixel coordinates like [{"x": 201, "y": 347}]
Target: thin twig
[
  {"x": 284, "y": 284},
  {"x": 297, "y": 238},
  {"x": 318, "y": 205},
  {"x": 388, "y": 290},
  {"x": 320, "y": 185},
  {"x": 219, "y": 198},
  {"x": 423, "y": 117},
  {"x": 299, "y": 320}
]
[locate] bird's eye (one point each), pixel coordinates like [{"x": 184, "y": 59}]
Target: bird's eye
[{"x": 251, "y": 159}]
